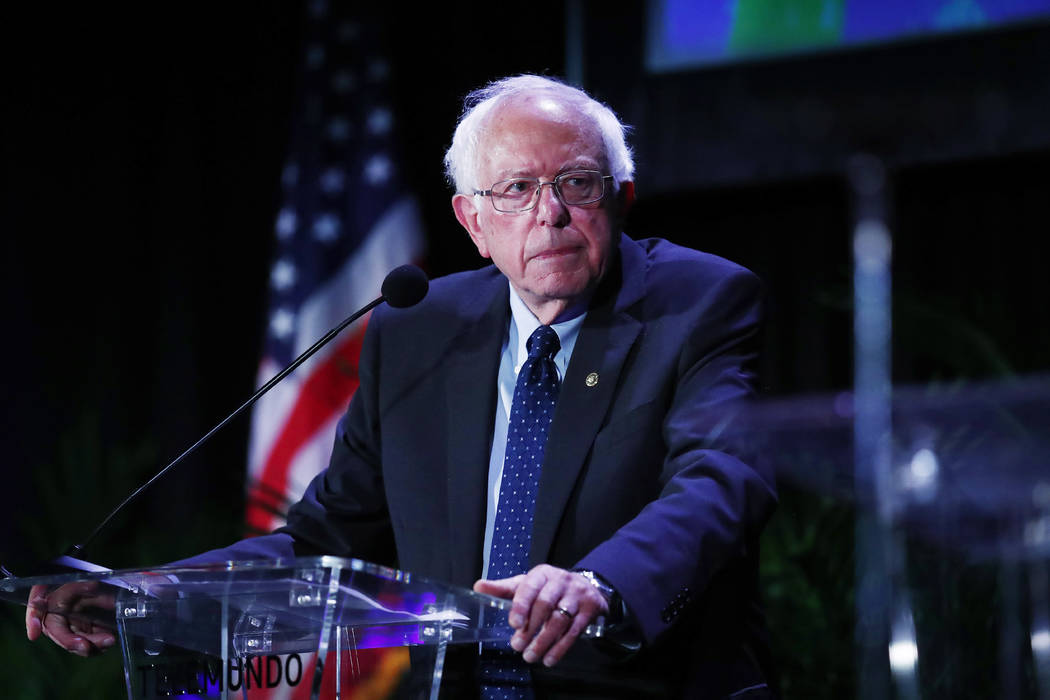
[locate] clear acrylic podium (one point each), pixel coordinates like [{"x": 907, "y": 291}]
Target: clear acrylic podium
[{"x": 226, "y": 631}]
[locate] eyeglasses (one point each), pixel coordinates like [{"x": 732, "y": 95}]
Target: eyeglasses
[{"x": 573, "y": 188}]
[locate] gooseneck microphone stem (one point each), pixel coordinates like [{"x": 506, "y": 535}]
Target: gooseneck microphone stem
[{"x": 77, "y": 550}]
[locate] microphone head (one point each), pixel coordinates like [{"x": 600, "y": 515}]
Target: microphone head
[{"x": 405, "y": 286}]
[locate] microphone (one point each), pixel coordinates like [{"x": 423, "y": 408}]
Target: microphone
[
  {"x": 405, "y": 286},
  {"x": 402, "y": 287}
]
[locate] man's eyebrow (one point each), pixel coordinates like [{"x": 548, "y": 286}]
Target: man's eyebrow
[
  {"x": 513, "y": 173},
  {"x": 581, "y": 163}
]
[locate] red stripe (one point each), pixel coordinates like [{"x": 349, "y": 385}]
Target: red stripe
[
  {"x": 324, "y": 394},
  {"x": 358, "y": 668}
]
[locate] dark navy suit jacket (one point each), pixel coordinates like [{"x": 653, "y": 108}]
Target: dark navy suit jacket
[{"x": 636, "y": 483}]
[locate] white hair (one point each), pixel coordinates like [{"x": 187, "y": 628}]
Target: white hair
[{"x": 461, "y": 159}]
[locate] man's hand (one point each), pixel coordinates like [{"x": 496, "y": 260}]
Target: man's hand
[
  {"x": 552, "y": 607},
  {"x": 63, "y": 616}
]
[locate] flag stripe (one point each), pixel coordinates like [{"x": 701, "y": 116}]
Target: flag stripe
[
  {"x": 284, "y": 422},
  {"x": 324, "y": 393},
  {"x": 346, "y": 219}
]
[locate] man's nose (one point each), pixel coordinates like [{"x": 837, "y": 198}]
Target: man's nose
[{"x": 550, "y": 210}]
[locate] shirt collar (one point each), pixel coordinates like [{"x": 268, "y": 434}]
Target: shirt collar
[{"x": 524, "y": 322}]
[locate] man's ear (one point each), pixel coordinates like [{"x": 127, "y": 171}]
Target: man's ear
[{"x": 467, "y": 215}]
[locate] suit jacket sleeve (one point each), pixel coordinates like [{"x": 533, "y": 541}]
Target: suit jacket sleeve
[
  {"x": 344, "y": 510},
  {"x": 711, "y": 504}
]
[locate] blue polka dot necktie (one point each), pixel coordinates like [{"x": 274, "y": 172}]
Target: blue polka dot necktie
[{"x": 503, "y": 673}]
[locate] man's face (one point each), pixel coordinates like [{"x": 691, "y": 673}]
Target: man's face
[{"x": 552, "y": 254}]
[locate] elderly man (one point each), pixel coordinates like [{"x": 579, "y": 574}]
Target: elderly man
[{"x": 549, "y": 424}]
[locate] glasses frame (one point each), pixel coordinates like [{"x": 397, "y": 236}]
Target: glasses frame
[{"x": 555, "y": 185}]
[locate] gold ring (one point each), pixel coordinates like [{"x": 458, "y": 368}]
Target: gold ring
[{"x": 564, "y": 612}]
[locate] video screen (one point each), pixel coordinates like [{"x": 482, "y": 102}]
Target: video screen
[{"x": 684, "y": 34}]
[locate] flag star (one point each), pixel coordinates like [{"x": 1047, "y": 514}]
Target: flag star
[
  {"x": 333, "y": 180},
  {"x": 290, "y": 175},
  {"x": 326, "y": 228},
  {"x": 282, "y": 324},
  {"x": 286, "y": 223},
  {"x": 378, "y": 69},
  {"x": 283, "y": 274},
  {"x": 338, "y": 129},
  {"x": 379, "y": 121},
  {"x": 343, "y": 81},
  {"x": 314, "y": 56},
  {"x": 378, "y": 169}
]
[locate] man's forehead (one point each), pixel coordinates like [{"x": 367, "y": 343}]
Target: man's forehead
[
  {"x": 553, "y": 107},
  {"x": 540, "y": 108},
  {"x": 521, "y": 129}
]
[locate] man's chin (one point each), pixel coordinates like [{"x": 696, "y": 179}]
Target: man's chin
[
  {"x": 569, "y": 289},
  {"x": 563, "y": 288}
]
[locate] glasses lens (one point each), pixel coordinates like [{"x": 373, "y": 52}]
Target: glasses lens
[
  {"x": 575, "y": 187},
  {"x": 514, "y": 195},
  {"x": 580, "y": 186}
]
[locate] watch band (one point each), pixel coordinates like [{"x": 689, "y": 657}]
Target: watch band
[
  {"x": 605, "y": 589},
  {"x": 612, "y": 598}
]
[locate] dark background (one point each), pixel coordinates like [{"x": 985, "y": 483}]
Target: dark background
[{"x": 141, "y": 160}]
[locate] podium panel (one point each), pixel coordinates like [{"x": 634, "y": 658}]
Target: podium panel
[{"x": 235, "y": 629}]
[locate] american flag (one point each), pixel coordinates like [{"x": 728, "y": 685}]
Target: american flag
[{"x": 346, "y": 221}]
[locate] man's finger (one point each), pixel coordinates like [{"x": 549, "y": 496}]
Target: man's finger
[
  {"x": 97, "y": 635},
  {"x": 500, "y": 588},
  {"x": 80, "y": 637},
  {"x": 99, "y": 600},
  {"x": 557, "y": 651},
  {"x": 57, "y": 629},
  {"x": 552, "y": 629},
  {"x": 57, "y": 615},
  {"x": 63, "y": 597},
  {"x": 546, "y": 600},
  {"x": 36, "y": 606},
  {"x": 34, "y": 626},
  {"x": 524, "y": 597}
]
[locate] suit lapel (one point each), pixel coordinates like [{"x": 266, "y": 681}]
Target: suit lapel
[
  {"x": 605, "y": 340},
  {"x": 470, "y": 392}
]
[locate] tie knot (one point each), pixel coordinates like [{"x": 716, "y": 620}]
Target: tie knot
[{"x": 543, "y": 343}]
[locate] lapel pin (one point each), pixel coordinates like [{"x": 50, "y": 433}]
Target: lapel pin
[{"x": 592, "y": 379}]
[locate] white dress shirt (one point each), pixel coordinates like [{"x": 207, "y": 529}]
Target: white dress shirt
[{"x": 512, "y": 356}]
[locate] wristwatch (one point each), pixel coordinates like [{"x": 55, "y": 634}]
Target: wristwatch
[
  {"x": 612, "y": 598},
  {"x": 620, "y": 636}
]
